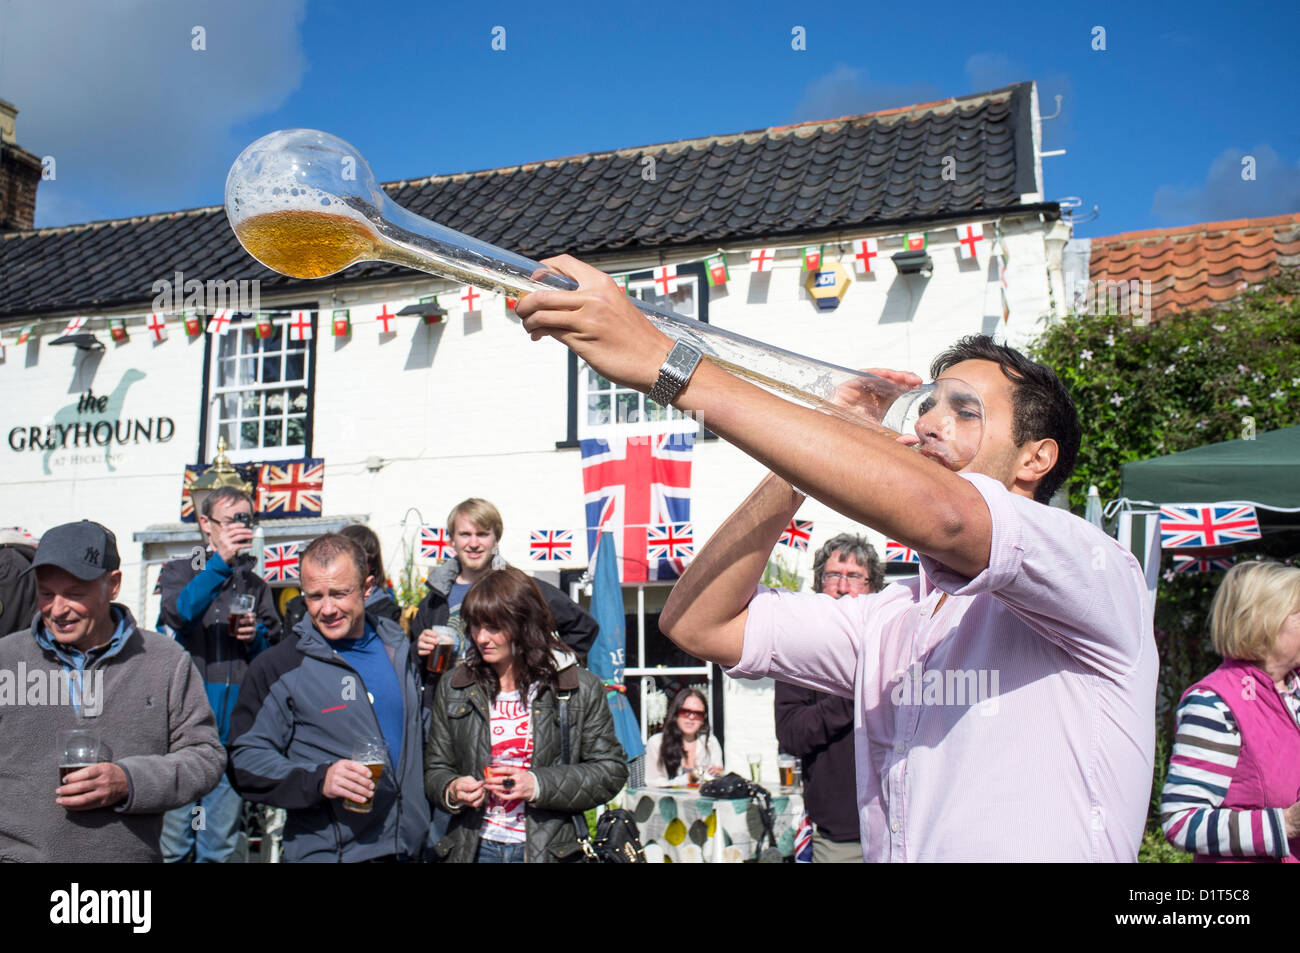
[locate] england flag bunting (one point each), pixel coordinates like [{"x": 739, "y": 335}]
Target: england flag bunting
[
  {"x": 796, "y": 535},
  {"x": 635, "y": 483},
  {"x": 220, "y": 323},
  {"x": 280, "y": 562},
  {"x": 898, "y": 553},
  {"x": 550, "y": 545},
  {"x": 75, "y": 325},
  {"x": 864, "y": 250},
  {"x": 157, "y": 326},
  {"x": 760, "y": 259},
  {"x": 300, "y": 326},
  {"x": 435, "y": 544},
  {"x": 665, "y": 280},
  {"x": 1193, "y": 525},
  {"x": 968, "y": 239}
]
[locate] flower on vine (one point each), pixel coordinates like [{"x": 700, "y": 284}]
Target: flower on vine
[
  {"x": 1202, "y": 424},
  {"x": 1085, "y": 355},
  {"x": 1242, "y": 401},
  {"x": 1243, "y": 369},
  {"x": 1219, "y": 327},
  {"x": 1184, "y": 349},
  {"x": 1171, "y": 368},
  {"x": 1295, "y": 382},
  {"x": 1168, "y": 575},
  {"x": 1277, "y": 395},
  {"x": 1116, "y": 399},
  {"x": 1110, "y": 339}
]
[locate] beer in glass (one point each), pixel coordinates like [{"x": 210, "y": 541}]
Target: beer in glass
[{"x": 370, "y": 754}]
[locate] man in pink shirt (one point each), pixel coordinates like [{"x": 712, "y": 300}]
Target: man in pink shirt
[{"x": 1006, "y": 698}]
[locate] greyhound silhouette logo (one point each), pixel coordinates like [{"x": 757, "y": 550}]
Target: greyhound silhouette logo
[{"x": 93, "y": 422}]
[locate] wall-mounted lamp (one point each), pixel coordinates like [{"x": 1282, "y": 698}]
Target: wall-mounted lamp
[
  {"x": 84, "y": 340},
  {"x": 913, "y": 263}
]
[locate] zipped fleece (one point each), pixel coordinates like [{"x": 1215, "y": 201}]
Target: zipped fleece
[{"x": 301, "y": 709}]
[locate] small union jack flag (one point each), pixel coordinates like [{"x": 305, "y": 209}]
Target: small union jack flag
[
  {"x": 803, "y": 838},
  {"x": 1203, "y": 562},
  {"x": 898, "y": 553},
  {"x": 280, "y": 562},
  {"x": 796, "y": 535},
  {"x": 1199, "y": 526},
  {"x": 291, "y": 487},
  {"x": 548, "y": 545},
  {"x": 435, "y": 544},
  {"x": 672, "y": 541}
]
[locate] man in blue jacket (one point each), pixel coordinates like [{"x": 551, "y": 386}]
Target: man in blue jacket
[
  {"x": 347, "y": 678},
  {"x": 197, "y": 594}
]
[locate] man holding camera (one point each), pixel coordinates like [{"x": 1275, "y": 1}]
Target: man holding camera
[{"x": 201, "y": 596}]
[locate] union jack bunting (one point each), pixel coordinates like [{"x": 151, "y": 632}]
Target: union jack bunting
[
  {"x": 1210, "y": 560},
  {"x": 1199, "y": 526},
  {"x": 670, "y": 542},
  {"x": 898, "y": 553},
  {"x": 796, "y": 535},
  {"x": 291, "y": 487},
  {"x": 435, "y": 544},
  {"x": 803, "y": 839},
  {"x": 280, "y": 562},
  {"x": 550, "y": 545},
  {"x": 633, "y": 483}
]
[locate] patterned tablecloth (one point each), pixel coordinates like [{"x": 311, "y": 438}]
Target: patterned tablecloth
[{"x": 678, "y": 826}]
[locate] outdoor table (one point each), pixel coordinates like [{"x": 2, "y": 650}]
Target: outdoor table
[{"x": 678, "y": 826}]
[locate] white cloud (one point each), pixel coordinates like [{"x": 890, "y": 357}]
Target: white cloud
[
  {"x": 1275, "y": 190},
  {"x": 847, "y": 91},
  {"x": 116, "y": 93}
]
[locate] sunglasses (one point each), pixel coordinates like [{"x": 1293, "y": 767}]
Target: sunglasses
[{"x": 692, "y": 713}]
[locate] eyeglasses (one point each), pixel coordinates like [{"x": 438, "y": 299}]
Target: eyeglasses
[
  {"x": 852, "y": 578},
  {"x": 235, "y": 519},
  {"x": 691, "y": 713}
]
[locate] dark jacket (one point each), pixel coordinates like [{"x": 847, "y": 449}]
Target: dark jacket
[
  {"x": 302, "y": 709},
  {"x": 817, "y": 728},
  {"x": 196, "y": 606},
  {"x": 17, "y": 591},
  {"x": 459, "y": 745},
  {"x": 576, "y": 628},
  {"x": 141, "y": 695}
]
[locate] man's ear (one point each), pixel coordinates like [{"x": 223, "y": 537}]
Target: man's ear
[
  {"x": 114, "y": 582},
  {"x": 1037, "y": 458}
]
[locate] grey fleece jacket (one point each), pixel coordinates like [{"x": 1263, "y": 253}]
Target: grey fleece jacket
[{"x": 142, "y": 695}]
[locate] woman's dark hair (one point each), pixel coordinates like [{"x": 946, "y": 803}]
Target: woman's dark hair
[
  {"x": 365, "y": 537},
  {"x": 1041, "y": 406},
  {"x": 673, "y": 749},
  {"x": 508, "y": 601}
]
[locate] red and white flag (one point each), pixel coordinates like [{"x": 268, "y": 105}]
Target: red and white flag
[
  {"x": 300, "y": 326},
  {"x": 157, "y": 326},
  {"x": 796, "y": 535},
  {"x": 550, "y": 545},
  {"x": 193, "y": 326},
  {"x": 220, "y": 323},
  {"x": 760, "y": 259},
  {"x": 385, "y": 318},
  {"x": 470, "y": 299},
  {"x": 75, "y": 325},
  {"x": 812, "y": 257},
  {"x": 864, "y": 249},
  {"x": 291, "y": 488},
  {"x": 968, "y": 239},
  {"x": 117, "y": 329},
  {"x": 435, "y": 544},
  {"x": 280, "y": 562},
  {"x": 1190, "y": 525},
  {"x": 670, "y": 542},
  {"x": 665, "y": 279}
]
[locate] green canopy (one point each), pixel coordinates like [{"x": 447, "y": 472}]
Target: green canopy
[{"x": 1265, "y": 470}]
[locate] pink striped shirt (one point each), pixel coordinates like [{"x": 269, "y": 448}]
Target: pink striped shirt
[{"x": 1014, "y": 723}]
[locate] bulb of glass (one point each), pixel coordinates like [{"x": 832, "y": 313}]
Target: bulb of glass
[{"x": 306, "y": 204}]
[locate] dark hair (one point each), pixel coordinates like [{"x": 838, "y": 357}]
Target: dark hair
[
  {"x": 508, "y": 601},
  {"x": 323, "y": 550},
  {"x": 221, "y": 494},
  {"x": 1041, "y": 406},
  {"x": 365, "y": 537},
  {"x": 849, "y": 546},
  {"x": 673, "y": 749}
]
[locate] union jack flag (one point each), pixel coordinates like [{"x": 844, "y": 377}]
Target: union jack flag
[
  {"x": 1191, "y": 564},
  {"x": 670, "y": 542},
  {"x": 1200, "y": 526},
  {"x": 803, "y": 837},
  {"x": 280, "y": 562},
  {"x": 247, "y": 472},
  {"x": 633, "y": 483},
  {"x": 898, "y": 553},
  {"x": 291, "y": 487},
  {"x": 547, "y": 545},
  {"x": 435, "y": 544},
  {"x": 796, "y": 535}
]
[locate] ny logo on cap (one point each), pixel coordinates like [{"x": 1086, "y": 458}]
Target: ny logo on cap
[{"x": 92, "y": 555}]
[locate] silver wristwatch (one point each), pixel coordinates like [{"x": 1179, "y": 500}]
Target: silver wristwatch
[{"x": 676, "y": 371}]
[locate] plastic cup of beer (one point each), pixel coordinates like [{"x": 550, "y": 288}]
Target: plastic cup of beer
[
  {"x": 78, "y": 748},
  {"x": 443, "y": 654},
  {"x": 369, "y": 754},
  {"x": 755, "y": 766},
  {"x": 242, "y": 605},
  {"x": 786, "y": 767}
]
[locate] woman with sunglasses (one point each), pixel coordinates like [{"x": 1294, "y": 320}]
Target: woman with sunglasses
[{"x": 684, "y": 752}]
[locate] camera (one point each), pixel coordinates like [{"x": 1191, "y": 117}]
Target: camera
[{"x": 242, "y": 518}]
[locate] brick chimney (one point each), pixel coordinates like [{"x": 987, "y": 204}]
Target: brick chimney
[{"x": 20, "y": 173}]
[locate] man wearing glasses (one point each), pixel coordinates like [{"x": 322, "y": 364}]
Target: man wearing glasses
[
  {"x": 818, "y": 727},
  {"x": 198, "y": 596}
]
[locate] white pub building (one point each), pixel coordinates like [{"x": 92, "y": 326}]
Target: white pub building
[{"x": 130, "y": 347}]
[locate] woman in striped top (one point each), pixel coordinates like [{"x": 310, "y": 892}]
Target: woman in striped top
[{"x": 1233, "y": 788}]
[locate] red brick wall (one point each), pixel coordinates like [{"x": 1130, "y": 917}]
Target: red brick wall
[{"x": 20, "y": 174}]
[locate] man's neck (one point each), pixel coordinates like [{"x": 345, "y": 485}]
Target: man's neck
[{"x": 467, "y": 577}]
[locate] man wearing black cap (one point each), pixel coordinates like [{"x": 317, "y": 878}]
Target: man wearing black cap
[{"x": 85, "y": 664}]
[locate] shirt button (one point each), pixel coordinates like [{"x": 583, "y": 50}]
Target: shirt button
[
  {"x": 894, "y": 826},
  {"x": 900, "y": 747}
]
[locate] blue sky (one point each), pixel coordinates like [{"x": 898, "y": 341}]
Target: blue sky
[{"x": 1155, "y": 126}]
